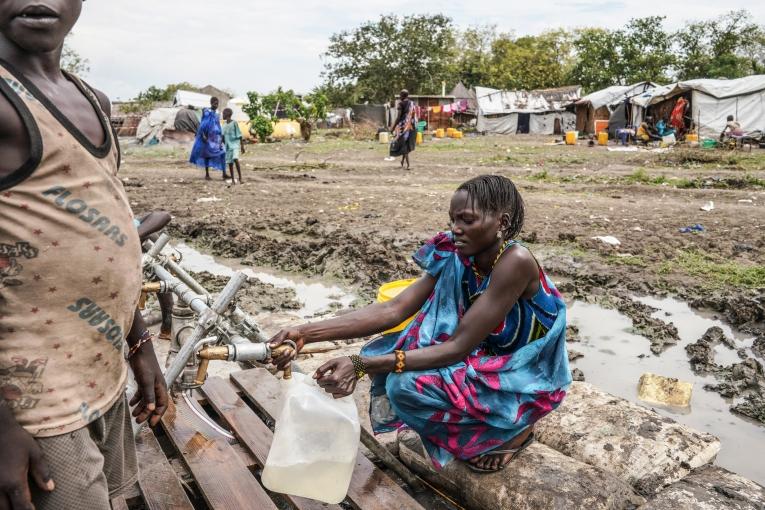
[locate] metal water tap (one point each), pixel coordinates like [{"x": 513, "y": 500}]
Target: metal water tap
[
  {"x": 241, "y": 350},
  {"x": 150, "y": 288}
]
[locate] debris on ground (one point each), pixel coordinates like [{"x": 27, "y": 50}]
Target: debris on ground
[
  {"x": 610, "y": 240},
  {"x": 698, "y": 227},
  {"x": 657, "y": 389},
  {"x": 709, "y": 206}
]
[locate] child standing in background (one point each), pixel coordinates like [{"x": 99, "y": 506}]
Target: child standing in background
[{"x": 234, "y": 143}]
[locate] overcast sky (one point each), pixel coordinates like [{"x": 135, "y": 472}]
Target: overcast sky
[{"x": 256, "y": 45}]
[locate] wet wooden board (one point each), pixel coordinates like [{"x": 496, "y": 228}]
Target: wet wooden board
[
  {"x": 224, "y": 480},
  {"x": 159, "y": 484},
  {"x": 250, "y": 430},
  {"x": 370, "y": 488}
]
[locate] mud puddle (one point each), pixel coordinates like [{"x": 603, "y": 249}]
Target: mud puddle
[
  {"x": 315, "y": 297},
  {"x": 615, "y": 358}
]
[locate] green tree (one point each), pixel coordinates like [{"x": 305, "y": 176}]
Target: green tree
[
  {"x": 381, "y": 57},
  {"x": 641, "y": 51},
  {"x": 597, "y": 59},
  {"x": 474, "y": 61},
  {"x": 305, "y": 110},
  {"x": 531, "y": 62},
  {"x": 731, "y": 46},
  {"x": 72, "y": 61}
]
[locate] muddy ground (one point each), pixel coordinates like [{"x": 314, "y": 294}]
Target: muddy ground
[{"x": 334, "y": 208}]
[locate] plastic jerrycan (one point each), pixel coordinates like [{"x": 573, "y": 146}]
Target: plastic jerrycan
[{"x": 316, "y": 440}]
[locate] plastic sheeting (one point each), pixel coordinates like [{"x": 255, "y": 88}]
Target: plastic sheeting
[
  {"x": 615, "y": 94},
  {"x": 504, "y": 125},
  {"x": 153, "y": 124},
  {"x": 713, "y": 100},
  {"x": 710, "y": 113}
]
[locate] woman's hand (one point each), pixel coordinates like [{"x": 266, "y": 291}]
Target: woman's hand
[
  {"x": 337, "y": 376},
  {"x": 287, "y": 356}
]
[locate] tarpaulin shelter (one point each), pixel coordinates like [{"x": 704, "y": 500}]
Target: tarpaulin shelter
[
  {"x": 188, "y": 98},
  {"x": 153, "y": 125},
  {"x": 711, "y": 101},
  {"x": 601, "y": 104},
  {"x": 540, "y": 112}
]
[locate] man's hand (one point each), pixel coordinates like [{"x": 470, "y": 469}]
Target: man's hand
[
  {"x": 151, "y": 399},
  {"x": 20, "y": 458},
  {"x": 337, "y": 376},
  {"x": 293, "y": 334}
]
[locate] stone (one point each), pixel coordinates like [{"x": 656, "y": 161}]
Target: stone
[
  {"x": 657, "y": 389},
  {"x": 648, "y": 451},
  {"x": 539, "y": 477},
  {"x": 710, "y": 488}
]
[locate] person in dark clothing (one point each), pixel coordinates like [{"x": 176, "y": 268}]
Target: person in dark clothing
[{"x": 404, "y": 129}]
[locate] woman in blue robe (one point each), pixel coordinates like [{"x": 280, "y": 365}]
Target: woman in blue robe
[{"x": 208, "y": 150}]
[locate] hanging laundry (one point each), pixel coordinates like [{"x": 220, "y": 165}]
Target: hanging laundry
[
  {"x": 436, "y": 109},
  {"x": 463, "y": 105},
  {"x": 447, "y": 108}
]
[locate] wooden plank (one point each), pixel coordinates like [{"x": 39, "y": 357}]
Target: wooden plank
[
  {"x": 119, "y": 503},
  {"x": 160, "y": 487},
  {"x": 222, "y": 477},
  {"x": 250, "y": 430},
  {"x": 370, "y": 488}
]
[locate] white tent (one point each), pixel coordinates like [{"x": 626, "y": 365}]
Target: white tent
[
  {"x": 188, "y": 98},
  {"x": 499, "y": 111},
  {"x": 236, "y": 107},
  {"x": 600, "y": 104},
  {"x": 713, "y": 100}
]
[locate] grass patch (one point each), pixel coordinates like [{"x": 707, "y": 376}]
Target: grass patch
[
  {"x": 640, "y": 176},
  {"x": 628, "y": 260},
  {"x": 703, "y": 266}
]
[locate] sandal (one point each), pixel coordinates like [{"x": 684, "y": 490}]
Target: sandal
[
  {"x": 512, "y": 451},
  {"x": 164, "y": 336}
]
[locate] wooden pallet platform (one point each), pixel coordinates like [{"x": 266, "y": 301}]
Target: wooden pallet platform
[{"x": 186, "y": 464}]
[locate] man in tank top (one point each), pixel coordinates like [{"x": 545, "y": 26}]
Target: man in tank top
[{"x": 70, "y": 279}]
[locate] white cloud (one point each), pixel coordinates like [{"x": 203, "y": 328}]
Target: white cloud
[{"x": 245, "y": 45}]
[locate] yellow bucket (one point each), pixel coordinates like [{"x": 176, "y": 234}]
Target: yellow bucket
[
  {"x": 440, "y": 133},
  {"x": 603, "y": 138},
  {"x": 571, "y": 137},
  {"x": 389, "y": 291},
  {"x": 691, "y": 137},
  {"x": 457, "y": 135},
  {"x": 419, "y": 138},
  {"x": 384, "y": 137}
]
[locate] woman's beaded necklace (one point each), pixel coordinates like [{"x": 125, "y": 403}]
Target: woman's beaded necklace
[{"x": 502, "y": 249}]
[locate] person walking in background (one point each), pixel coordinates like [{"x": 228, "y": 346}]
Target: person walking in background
[
  {"x": 404, "y": 135},
  {"x": 233, "y": 143},
  {"x": 208, "y": 150}
]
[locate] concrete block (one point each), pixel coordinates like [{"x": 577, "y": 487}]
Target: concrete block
[
  {"x": 710, "y": 488},
  {"x": 539, "y": 477},
  {"x": 641, "y": 447},
  {"x": 668, "y": 391}
]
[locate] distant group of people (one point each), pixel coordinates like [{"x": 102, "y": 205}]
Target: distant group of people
[{"x": 216, "y": 146}]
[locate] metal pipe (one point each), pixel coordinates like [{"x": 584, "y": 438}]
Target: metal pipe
[
  {"x": 195, "y": 301},
  {"x": 185, "y": 277},
  {"x": 156, "y": 247}
]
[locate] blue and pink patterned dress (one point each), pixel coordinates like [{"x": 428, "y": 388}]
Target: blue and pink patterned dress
[{"x": 515, "y": 377}]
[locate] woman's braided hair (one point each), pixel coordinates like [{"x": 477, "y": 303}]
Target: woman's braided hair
[{"x": 497, "y": 194}]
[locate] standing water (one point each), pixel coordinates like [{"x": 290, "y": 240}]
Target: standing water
[
  {"x": 615, "y": 357},
  {"x": 315, "y": 297}
]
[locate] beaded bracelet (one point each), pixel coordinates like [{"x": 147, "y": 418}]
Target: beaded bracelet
[
  {"x": 145, "y": 337},
  {"x": 400, "y": 361},
  {"x": 359, "y": 367}
]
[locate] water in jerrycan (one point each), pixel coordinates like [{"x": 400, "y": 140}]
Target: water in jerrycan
[{"x": 316, "y": 440}]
